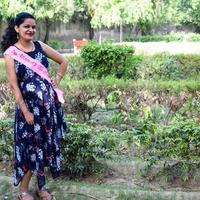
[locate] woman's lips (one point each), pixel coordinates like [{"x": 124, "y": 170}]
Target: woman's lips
[{"x": 30, "y": 34}]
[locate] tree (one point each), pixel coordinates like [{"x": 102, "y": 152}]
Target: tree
[
  {"x": 162, "y": 12},
  {"x": 189, "y": 11},
  {"x": 144, "y": 13},
  {"x": 51, "y": 11},
  {"x": 84, "y": 11}
]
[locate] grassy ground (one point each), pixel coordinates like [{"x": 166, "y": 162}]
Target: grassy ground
[
  {"x": 150, "y": 48},
  {"x": 81, "y": 190},
  {"x": 122, "y": 181}
]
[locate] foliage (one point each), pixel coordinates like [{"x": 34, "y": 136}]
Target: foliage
[
  {"x": 155, "y": 38},
  {"x": 56, "y": 44},
  {"x": 165, "y": 67},
  {"x": 109, "y": 13},
  {"x": 188, "y": 11},
  {"x": 107, "y": 59},
  {"x": 2, "y": 71},
  {"x": 175, "y": 144},
  {"x": 76, "y": 69},
  {"x": 83, "y": 100},
  {"x": 81, "y": 146},
  {"x": 102, "y": 61},
  {"x": 192, "y": 37},
  {"x": 78, "y": 151},
  {"x": 6, "y": 140},
  {"x": 53, "y": 10}
]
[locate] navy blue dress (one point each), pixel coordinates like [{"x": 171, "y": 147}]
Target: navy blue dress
[{"x": 38, "y": 145}]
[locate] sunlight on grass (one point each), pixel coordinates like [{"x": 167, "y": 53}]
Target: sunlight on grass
[{"x": 151, "y": 48}]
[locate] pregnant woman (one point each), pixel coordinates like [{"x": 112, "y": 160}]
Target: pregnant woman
[{"x": 39, "y": 120}]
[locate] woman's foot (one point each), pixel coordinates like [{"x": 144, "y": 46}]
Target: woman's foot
[
  {"x": 25, "y": 196},
  {"x": 44, "y": 194}
]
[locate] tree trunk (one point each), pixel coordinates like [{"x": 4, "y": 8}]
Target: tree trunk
[
  {"x": 90, "y": 29},
  {"x": 48, "y": 24},
  {"x": 100, "y": 37},
  {"x": 121, "y": 33}
]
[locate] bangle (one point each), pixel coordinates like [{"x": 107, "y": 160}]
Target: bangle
[{"x": 59, "y": 74}]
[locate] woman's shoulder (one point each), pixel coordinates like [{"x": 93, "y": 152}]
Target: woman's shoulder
[{"x": 38, "y": 45}]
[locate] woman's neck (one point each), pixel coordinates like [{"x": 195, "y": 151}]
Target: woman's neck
[{"x": 25, "y": 45}]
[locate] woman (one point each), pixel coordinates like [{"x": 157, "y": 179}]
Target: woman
[{"x": 39, "y": 119}]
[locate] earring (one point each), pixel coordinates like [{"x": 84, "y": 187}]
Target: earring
[{"x": 18, "y": 36}]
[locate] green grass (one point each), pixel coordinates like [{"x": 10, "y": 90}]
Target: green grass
[
  {"x": 66, "y": 190},
  {"x": 137, "y": 196}
]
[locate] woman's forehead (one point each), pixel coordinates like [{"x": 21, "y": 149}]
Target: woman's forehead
[{"x": 29, "y": 21}]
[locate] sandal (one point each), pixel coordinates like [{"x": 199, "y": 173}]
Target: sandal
[
  {"x": 22, "y": 195},
  {"x": 45, "y": 194}
]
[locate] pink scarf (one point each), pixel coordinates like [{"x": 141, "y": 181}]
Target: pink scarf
[{"x": 34, "y": 65}]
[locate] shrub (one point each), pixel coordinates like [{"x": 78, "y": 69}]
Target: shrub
[
  {"x": 56, "y": 44},
  {"x": 169, "y": 67},
  {"x": 78, "y": 151},
  {"x": 107, "y": 59},
  {"x": 176, "y": 145},
  {"x": 2, "y": 71},
  {"x": 155, "y": 38},
  {"x": 76, "y": 69},
  {"x": 83, "y": 144},
  {"x": 194, "y": 37},
  {"x": 6, "y": 140}
]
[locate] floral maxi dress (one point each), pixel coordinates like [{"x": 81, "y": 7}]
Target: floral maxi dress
[{"x": 37, "y": 146}]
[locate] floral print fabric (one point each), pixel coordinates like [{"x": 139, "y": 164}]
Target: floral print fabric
[{"x": 38, "y": 145}]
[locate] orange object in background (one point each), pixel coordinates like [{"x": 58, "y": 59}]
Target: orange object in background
[{"x": 78, "y": 44}]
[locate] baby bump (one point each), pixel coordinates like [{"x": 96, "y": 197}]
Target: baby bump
[{"x": 37, "y": 90}]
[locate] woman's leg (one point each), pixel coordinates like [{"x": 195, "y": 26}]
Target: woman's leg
[
  {"x": 23, "y": 188},
  {"x": 25, "y": 182}
]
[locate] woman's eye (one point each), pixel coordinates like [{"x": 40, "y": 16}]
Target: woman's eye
[{"x": 33, "y": 27}]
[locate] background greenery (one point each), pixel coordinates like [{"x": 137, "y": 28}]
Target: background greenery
[{"x": 150, "y": 113}]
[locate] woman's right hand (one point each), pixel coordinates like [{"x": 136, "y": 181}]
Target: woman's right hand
[{"x": 29, "y": 117}]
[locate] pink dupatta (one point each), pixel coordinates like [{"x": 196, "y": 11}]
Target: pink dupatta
[{"x": 34, "y": 65}]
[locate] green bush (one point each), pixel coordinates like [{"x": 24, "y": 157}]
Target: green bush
[
  {"x": 192, "y": 37},
  {"x": 56, "y": 44},
  {"x": 6, "y": 140},
  {"x": 83, "y": 144},
  {"x": 2, "y": 71},
  {"x": 76, "y": 69},
  {"x": 78, "y": 151},
  {"x": 107, "y": 59},
  {"x": 169, "y": 67},
  {"x": 155, "y": 38},
  {"x": 176, "y": 145}
]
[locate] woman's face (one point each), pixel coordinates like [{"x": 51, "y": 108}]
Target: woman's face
[{"x": 26, "y": 30}]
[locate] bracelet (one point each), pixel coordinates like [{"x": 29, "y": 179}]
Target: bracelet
[{"x": 59, "y": 74}]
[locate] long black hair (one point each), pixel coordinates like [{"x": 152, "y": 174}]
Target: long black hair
[{"x": 10, "y": 35}]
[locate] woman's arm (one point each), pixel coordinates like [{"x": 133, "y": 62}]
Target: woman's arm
[
  {"x": 57, "y": 57},
  {"x": 12, "y": 79}
]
